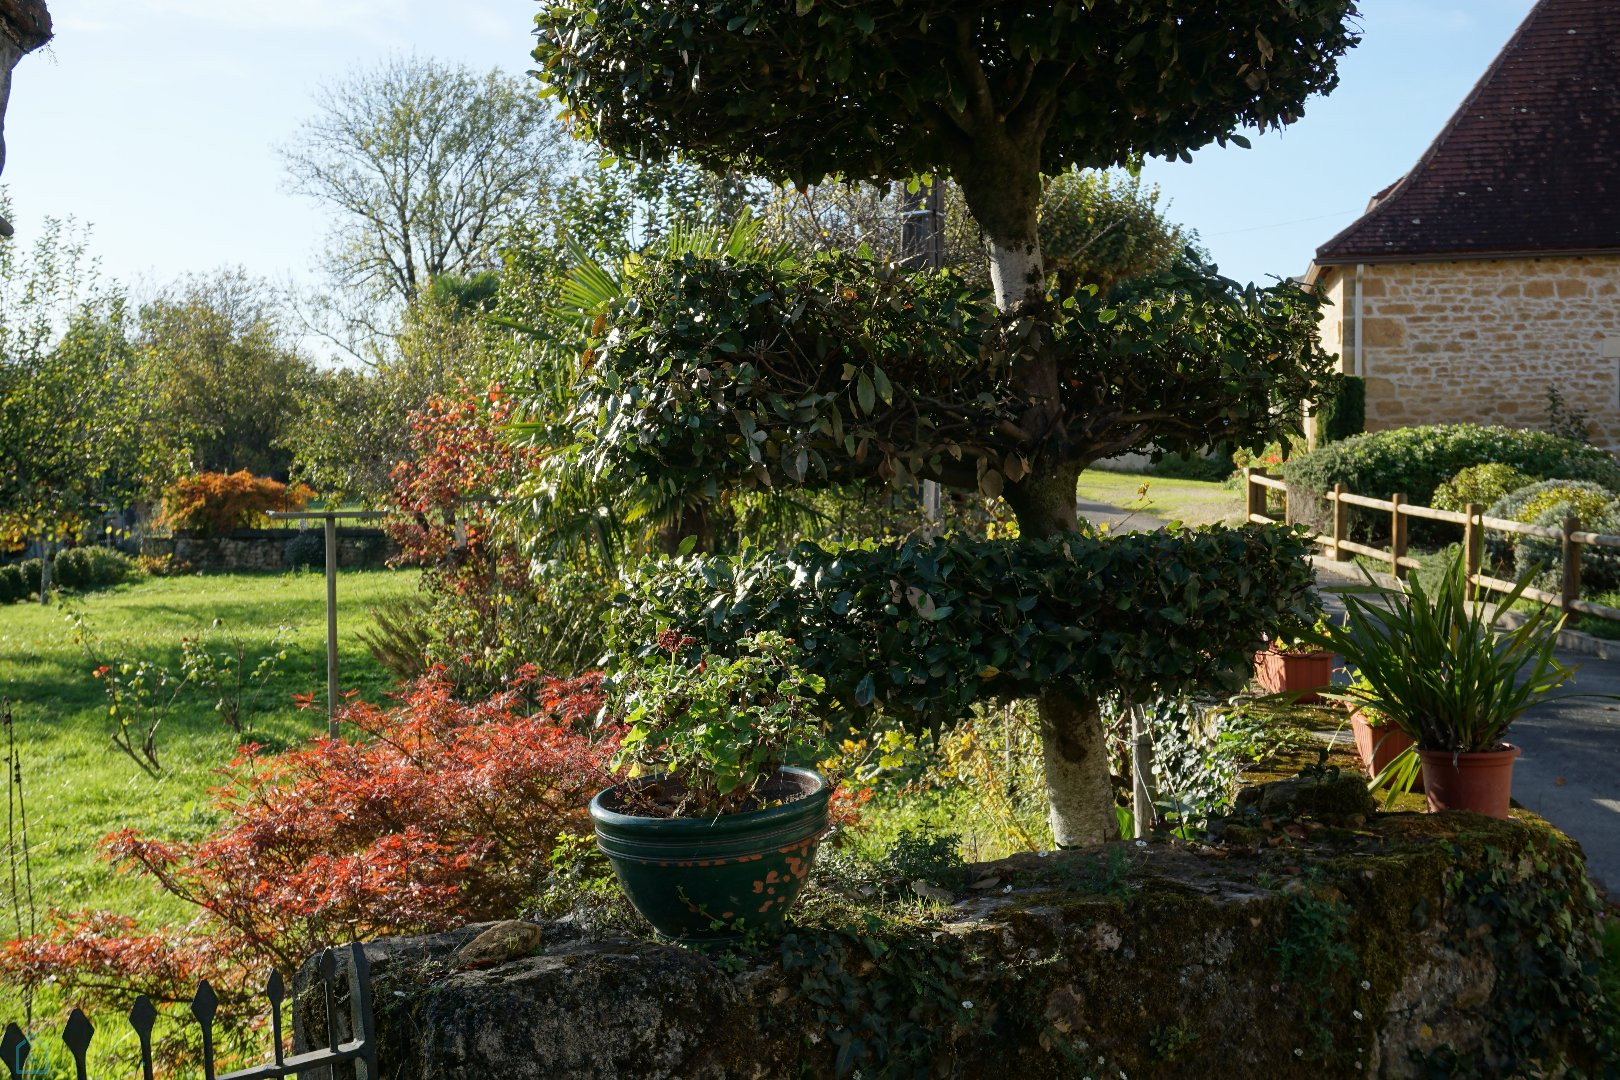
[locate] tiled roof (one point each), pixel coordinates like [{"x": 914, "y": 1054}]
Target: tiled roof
[{"x": 1529, "y": 164}]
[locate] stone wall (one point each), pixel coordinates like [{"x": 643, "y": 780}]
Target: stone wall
[
  {"x": 1409, "y": 945},
  {"x": 250, "y": 550},
  {"x": 1481, "y": 340}
]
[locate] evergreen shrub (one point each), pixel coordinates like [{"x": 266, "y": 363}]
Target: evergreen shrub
[
  {"x": 12, "y": 586},
  {"x": 1415, "y": 461},
  {"x": 1481, "y": 485},
  {"x": 83, "y": 568}
]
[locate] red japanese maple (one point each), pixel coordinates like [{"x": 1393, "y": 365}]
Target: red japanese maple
[{"x": 437, "y": 813}]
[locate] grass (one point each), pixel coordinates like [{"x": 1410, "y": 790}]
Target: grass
[
  {"x": 79, "y": 787},
  {"x": 1191, "y": 502}
]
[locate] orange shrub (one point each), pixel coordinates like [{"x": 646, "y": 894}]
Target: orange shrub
[{"x": 211, "y": 503}]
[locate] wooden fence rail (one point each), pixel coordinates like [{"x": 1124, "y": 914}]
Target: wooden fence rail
[{"x": 1572, "y": 540}]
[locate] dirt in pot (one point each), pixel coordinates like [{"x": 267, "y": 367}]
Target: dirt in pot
[{"x": 664, "y": 797}]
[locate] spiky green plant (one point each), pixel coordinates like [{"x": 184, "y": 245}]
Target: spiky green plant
[{"x": 1437, "y": 666}]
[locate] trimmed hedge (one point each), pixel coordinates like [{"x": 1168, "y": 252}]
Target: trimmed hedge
[
  {"x": 924, "y": 630},
  {"x": 83, "y": 568},
  {"x": 1480, "y": 485},
  {"x": 12, "y": 586},
  {"x": 1547, "y": 504},
  {"x": 1416, "y": 461}
]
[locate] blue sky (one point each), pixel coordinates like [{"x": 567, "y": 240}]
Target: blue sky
[{"x": 155, "y": 121}]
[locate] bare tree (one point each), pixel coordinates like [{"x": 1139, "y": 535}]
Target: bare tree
[{"x": 427, "y": 165}]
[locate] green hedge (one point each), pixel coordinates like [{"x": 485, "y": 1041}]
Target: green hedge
[
  {"x": 924, "y": 630},
  {"x": 84, "y": 568},
  {"x": 12, "y": 586},
  {"x": 1416, "y": 461},
  {"x": 1546, "y": 504}
]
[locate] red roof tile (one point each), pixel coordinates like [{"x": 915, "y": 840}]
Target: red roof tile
[{"x": 1530, "y": 164}]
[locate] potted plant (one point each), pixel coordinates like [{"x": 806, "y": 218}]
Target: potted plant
[
  {"x": 1294, "y": 664},
  {"x": 714, "y": 832},
  {"x": 1379, "y": 742},
  {"x": 1435, "y": 665}
]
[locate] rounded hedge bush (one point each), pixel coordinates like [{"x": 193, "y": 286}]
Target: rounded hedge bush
[
  {"x": 12, "y": 586},
  {"x": 1547, "y": 504},
  {"x": 1528, "y": 504},
  {"x": 1415, "y": 461},
  {"x": 306, "y": 550},
  {"x": 1480, "y": 485},
  {"x": 85, "y": 568}
]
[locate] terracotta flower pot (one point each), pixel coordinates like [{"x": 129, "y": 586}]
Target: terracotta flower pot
[
  {"x": 1287, "y": 673},
  {"x": 1378, "y": 745},
  {"x": 1482, "y": 783}
]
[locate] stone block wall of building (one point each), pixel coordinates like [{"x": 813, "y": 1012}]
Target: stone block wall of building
[{"x": 1481, "y": 341}]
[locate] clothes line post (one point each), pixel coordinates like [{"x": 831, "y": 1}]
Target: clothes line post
[
  {"x": 329, "y": 520},
  {"x": 331, "y": 627}
]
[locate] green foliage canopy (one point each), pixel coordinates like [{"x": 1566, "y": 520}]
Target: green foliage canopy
[
  {"x": 77, "y": 432},
  {"x": 708, "y": 372},
  {"x": 882, "y": 90},
  {"x": 924, "y": 630}
]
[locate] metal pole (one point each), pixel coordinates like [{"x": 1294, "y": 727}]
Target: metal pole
[
  {"x": 331, "y": 628},
  {"x": 922, "y": 243}
]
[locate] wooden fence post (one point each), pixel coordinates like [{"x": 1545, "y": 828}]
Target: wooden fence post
[
  {"x": 1252, "y": 505},
  {"x": 1397, "y": 537},
  {"x": 1341, "y": 523},
  {"x": 1473, "y": 548},
  {"x": 1572, "y": 562}
]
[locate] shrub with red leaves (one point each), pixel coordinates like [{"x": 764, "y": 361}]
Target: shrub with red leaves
[
  {"x": 461, "y": 463},
  {"x": 208, "y": 504},
  {"x": 438, "y": 814}
]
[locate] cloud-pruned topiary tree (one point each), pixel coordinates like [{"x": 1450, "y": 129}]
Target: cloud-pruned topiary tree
[{"x": 759, "y": 372}]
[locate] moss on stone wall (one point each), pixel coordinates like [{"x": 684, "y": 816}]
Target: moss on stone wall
[{"x": 1413, "y": 945}]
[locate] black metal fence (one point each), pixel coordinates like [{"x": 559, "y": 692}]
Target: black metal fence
[{"x": 356, "y": 1046}]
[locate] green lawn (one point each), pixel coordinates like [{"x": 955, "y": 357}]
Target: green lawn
[
  {"x": 1191, "y": 502},
  {"x": 79, "y": 787}
]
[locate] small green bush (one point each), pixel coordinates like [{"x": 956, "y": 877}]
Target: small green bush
[
  {"x": 84, "y": 568},
  {"x": 306, "y": 550},
  {"x": 1217, "y": 466},
  {"x": 1415, "y": 461},
  {"x": 12, "y": 586},
  {"x": 1481, "y": 485},
  {"x": 1533, "y": 501},
  {"x": 30, "y": 571},
  {"x": 1547, "y": 504}
]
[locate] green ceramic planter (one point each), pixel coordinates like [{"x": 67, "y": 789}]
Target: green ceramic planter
[{"x": 741, "y": 870}]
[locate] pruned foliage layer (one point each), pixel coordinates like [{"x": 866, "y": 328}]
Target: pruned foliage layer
[
  {"x": 711, "y": 373},
  {"x": 925, "y": 630}
]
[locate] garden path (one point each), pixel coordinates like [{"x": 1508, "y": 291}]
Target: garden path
[{"x": 1570, "y": 771}]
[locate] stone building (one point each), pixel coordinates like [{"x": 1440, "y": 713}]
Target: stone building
[{"x": 1491, "y": 271}]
